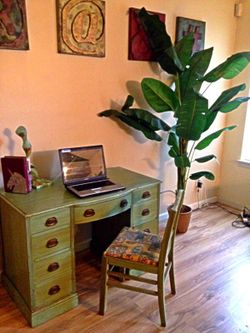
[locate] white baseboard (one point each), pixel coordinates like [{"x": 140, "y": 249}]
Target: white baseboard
[
  {"x": 194, "y": 205},
  {"x": 202, "y": 203}
]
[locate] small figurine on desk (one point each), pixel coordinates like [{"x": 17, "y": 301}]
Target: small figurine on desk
[
  {"x": 22, "y": 132},
  {"x": 36, "y": 181}
]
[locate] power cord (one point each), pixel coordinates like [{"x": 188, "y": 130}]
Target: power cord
[
  {"x": 243, "y": 219},
  {"x": 238, "y": 223},
  {"x": 201, "y": 193}
]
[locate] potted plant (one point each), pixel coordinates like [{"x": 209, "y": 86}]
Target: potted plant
[{"x": 184, "y": 98}]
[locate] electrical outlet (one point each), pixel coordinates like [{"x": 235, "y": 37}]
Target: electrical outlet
[{"x": 199, "y": 183}]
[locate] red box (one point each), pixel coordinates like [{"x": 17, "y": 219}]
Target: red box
[{"x": 16, "y": 176}]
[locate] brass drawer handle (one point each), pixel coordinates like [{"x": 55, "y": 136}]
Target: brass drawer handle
[
  {"x": 53, "y": 267},
  {"x": 52, "y": 243},
  {"x": 54, "y": 290},
  {"x": 50, "y": 222},
  {"x": 145, "y": 212},
  {"x": 123, "y": 203},
  {"x": 146, "y": 195},
  {"x": 89, "y": 212}
]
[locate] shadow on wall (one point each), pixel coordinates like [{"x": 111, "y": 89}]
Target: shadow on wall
[{"x": 10, "y": 142}]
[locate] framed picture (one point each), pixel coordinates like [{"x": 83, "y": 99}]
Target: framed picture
[
  {"x": 185, "y": 26},
  {"x": 139, "y": 48},
  {"x": 81, "y": 27},
  {"x": 13, "y": 25}
]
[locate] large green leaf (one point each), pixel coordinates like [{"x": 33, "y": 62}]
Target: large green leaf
[
  {"x": 222, "y": 101},
  {"x": 148, "y": 119},
  {"x": 173, "y": 143},
  {"x": 155, "y": 30},
  {"x": 229, "y": 68},
  {"x": 172, "y": 152},
  {"x": 206, "y": 174},
  {"x": 210, "y": 119},
  {"x": 184, "y": 49},
  {"x": 207, "y": 140},
  {"x": 192, "y": 116},
  {"x": 145, "y": 128},
  {"x": 143, "y": 116},
  {"x": 226, "y": 96},
  {"x": 198, "y": 66},
  {"x": 158, "y": 95},
  {"x": 160, "y": 42},
  {"x": 167, "y": 54},
  {"x": 232, "y": 105},
  {"x": 205, "y": 158},
  {"x": 129, "y": 102}
]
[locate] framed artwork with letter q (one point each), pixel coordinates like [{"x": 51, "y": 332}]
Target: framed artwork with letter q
[{"x": 81, "y": 27}]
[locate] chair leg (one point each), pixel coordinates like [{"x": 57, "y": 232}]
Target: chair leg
[
  {"x": 103, "y": 286},
  {"x": 123, "y": 272},
  {"x": 161, "y": 300},
  {"x": 172, "y": 279}
]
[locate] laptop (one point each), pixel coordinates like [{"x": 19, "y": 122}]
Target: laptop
[{"x": 84, "y": 171}]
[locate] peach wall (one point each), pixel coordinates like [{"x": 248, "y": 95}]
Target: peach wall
[
  {"x": 235, "y": 178},
  {"x": 57, "y": 96}
]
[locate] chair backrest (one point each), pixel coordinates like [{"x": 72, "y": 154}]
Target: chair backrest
[{"x": 167, "y": 243}]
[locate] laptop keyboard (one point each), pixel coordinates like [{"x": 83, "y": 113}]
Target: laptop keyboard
[{"x": 89, "y": 186}]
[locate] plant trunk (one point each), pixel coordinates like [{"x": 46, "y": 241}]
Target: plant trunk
[
  {"x": 184, "y": 212},
  {"x": 181, "y": 173}
]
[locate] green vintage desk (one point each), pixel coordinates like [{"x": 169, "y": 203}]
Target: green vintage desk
[{"x": 38, "y": 238}]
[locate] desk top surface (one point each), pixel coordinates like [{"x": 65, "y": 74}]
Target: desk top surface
[{"x": 56, "y": 196}]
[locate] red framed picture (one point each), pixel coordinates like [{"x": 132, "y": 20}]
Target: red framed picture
[{"x": 139, "y": 48}]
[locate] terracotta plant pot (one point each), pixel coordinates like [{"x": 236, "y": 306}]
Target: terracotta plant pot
[{"x": 184, "y": 218}]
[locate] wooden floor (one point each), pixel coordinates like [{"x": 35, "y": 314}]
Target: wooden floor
[{"x": 213, "y": 289}]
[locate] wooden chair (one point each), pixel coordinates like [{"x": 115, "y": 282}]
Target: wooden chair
[{"x": 143, "y": 251}]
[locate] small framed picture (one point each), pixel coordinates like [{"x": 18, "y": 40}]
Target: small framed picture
[
  {"x": 185, "y": 25},
  {"x": 13, "y": 25}
]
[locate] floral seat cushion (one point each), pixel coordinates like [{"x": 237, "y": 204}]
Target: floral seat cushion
[{"x": 136, "y": 245}]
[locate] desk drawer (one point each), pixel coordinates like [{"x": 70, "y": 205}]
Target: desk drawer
[
  {"x": 52, "y": 266},
  {"x": 50, "y": 220},
  {"x": 145, "y": 194},
  {"x": 145, "y": 212},
  {"x": 50, "y": 242},
  {"x": 52, "y": 290},
  {"x": 98, "y": 211},
  {"x": 151, "y": 226}
]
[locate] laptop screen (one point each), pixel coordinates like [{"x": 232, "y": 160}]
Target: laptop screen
[{"x": 82, "y": 164}]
